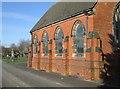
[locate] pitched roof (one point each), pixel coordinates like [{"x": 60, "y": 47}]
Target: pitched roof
[{"x": 61, "y": 11}]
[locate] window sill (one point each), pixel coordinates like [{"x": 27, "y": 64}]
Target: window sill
[
  {"x": 34, "y": 55},
  {"x": 76, "y": 55},
  {"x": 58, "y": 55},
  {"x": 44, "y": 55}
]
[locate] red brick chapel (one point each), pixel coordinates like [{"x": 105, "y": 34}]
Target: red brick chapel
[{"x": 77, "y": 39}]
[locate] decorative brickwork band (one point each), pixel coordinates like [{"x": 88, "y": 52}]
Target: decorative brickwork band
[
  {"x": 93, "y": 54},
  {"x": 92, "y": 35}
]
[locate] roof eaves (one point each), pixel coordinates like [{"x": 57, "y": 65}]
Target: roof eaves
[{"x": 73, "y": 15}]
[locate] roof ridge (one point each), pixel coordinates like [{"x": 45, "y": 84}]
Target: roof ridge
[{"x": 59, "y": 11}]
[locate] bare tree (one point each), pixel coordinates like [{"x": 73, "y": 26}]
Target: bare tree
[
  {"x": 13, "y": 46},
  {"x": 6, "y": 51},
  {"x": 24, "y": 45},
  {"x": 21, "y": 48}
]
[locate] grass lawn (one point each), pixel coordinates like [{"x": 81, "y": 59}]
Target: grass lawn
[{"x": 12, "y": 60}]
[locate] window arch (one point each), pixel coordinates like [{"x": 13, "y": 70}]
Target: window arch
[
  {"x": 45, "y": 43},
  {"x": 35, "y": 40},
  {"x": 116, "y": 20},
  {"x": 58, "y": 41},
  {"x": 78, "y": 38}
]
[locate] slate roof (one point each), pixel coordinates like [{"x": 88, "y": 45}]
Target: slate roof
[{"x": 61, "y": 11}]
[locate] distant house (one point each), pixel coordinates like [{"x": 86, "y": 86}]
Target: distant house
[{"x": 77, "y": 38}]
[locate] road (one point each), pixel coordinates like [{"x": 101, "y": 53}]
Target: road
[
  {"x": 18, "y": 75},
  {"x": 0, "y": 72}
]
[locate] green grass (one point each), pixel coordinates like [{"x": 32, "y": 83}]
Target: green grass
[{"x": 12, "y": 60}]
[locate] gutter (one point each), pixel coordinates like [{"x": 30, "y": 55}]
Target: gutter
[{"x": 73, "y": 15}]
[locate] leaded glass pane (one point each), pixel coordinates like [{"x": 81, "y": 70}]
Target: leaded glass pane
[
  {"x": 117, "y": 24},
  {"x": 78, "y": 38},
  {"x": 35, "y": 44},
  {"x": 58, "y": 38},
  {"x": 45, "y": 43}
]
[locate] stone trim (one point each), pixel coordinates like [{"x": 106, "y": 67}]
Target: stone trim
[
  {"x": 89, "y": 49},
  {"x": 93, "y": 34}
]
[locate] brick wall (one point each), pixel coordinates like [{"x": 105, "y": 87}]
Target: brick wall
[
  {"x": 103, "y": 23},
  {"x": 87, "y": 67}
]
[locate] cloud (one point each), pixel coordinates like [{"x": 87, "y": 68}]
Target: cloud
[
  {"x": 16, "y": 28},
  {"x": 13, "y": 34},
  {"x": 19, "y": 16}
]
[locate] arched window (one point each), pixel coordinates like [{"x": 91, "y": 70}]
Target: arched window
[
  {"x": 35, "y": 44},
  {"x": 58, "y": 41},
  {"x": 78, "y": 38},
  {"x": 117, "y": 24},
  {"x": 45, "y": 43}
]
